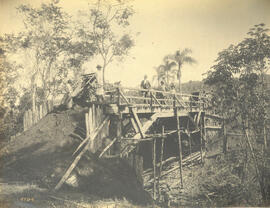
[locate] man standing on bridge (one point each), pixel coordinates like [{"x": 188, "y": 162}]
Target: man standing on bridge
[{"x": 145, "y": 85}]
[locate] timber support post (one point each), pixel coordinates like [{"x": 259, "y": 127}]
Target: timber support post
[
  {"x": 161, "y": 159},
  {"x": 179, "y": 145},
  {"x": 154, "y": 167},
  {"x": 201, "y": 138}
]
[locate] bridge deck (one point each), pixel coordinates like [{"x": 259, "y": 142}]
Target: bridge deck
[{"x": 152, "y": 101}]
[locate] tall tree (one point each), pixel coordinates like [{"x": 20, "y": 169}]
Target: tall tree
[
  {"x": 181, "y": 58},
  {"x": 106, "y": 25},
  {"x": 42, "y": 44},
  {"x": 238, "y": 81},
  {"x": 166, "y": 71}
]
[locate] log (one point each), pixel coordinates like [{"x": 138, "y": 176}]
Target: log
[
  {"x": 77, "y": 159},
  {"x": 108, "y": 146},
  {"x": 91, "y": 135},
  {"x": 72, "y": 166}
]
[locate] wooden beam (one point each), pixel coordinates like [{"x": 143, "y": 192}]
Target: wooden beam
[
  {"x": 213, "y": 116},
  {"x": 179, "y": 145},
  {"x": 108, "y": 146},
  {"x": 155, "y": 99},
  {"x": 137, "y": 121},
  {"x": 134, "y": 125},
  {"x": 199, "y": 117},
  {"x": 181, "y": 103},
  {"x": 123, "y": 96}
]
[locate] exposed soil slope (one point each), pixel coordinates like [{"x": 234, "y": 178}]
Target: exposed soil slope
[{"x": 42, "y": 154}]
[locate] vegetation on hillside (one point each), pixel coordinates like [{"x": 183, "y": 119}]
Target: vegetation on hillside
[
  {"x": 45, "y": 58},
  {"x": 241, "y": 96}
]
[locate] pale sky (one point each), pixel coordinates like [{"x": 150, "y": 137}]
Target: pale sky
[{"x": 205, "y": 26}]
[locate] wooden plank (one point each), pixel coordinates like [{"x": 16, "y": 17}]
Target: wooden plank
[
  {"x": 91, "y": 135},
  {"x": 213, "y": 127},
  {"x": 87, "y": 124},
  {"x": 137, "y": 121},
  {"x": 213, "y": 116},
  {"x": 108, "y": 146}
]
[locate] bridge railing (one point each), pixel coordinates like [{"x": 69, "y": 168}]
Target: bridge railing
[{"x": 154, "y": 98}]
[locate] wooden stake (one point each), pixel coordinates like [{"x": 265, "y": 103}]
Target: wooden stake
[
  {"x": 204, "y": 131},
  {"x": 154, "y": 168},
  {"x": 179, "y": 145},
  {"x": 161, "y": 159},
  {"x": 201, "y": 142}
]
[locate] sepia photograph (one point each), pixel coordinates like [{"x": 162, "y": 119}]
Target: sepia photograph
[{"x": 134, "y": 103}]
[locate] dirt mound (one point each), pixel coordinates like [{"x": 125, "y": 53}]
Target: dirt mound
[{"x": 42, "y": 154}]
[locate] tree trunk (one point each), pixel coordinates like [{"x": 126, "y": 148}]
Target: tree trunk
[
  {"x": 103, "y": 75},
  {"x": 257, "y": 170},
  {"x": 179, "y": 76}
]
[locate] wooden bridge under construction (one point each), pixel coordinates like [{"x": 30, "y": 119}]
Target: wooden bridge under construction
[{"x": 147, "y": 128}]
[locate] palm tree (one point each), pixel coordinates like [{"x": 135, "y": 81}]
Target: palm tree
[
  {"x": 164, "y": 71},
  {"x": 180, "y": 58},
  {"x": 160, "y": 75}
]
